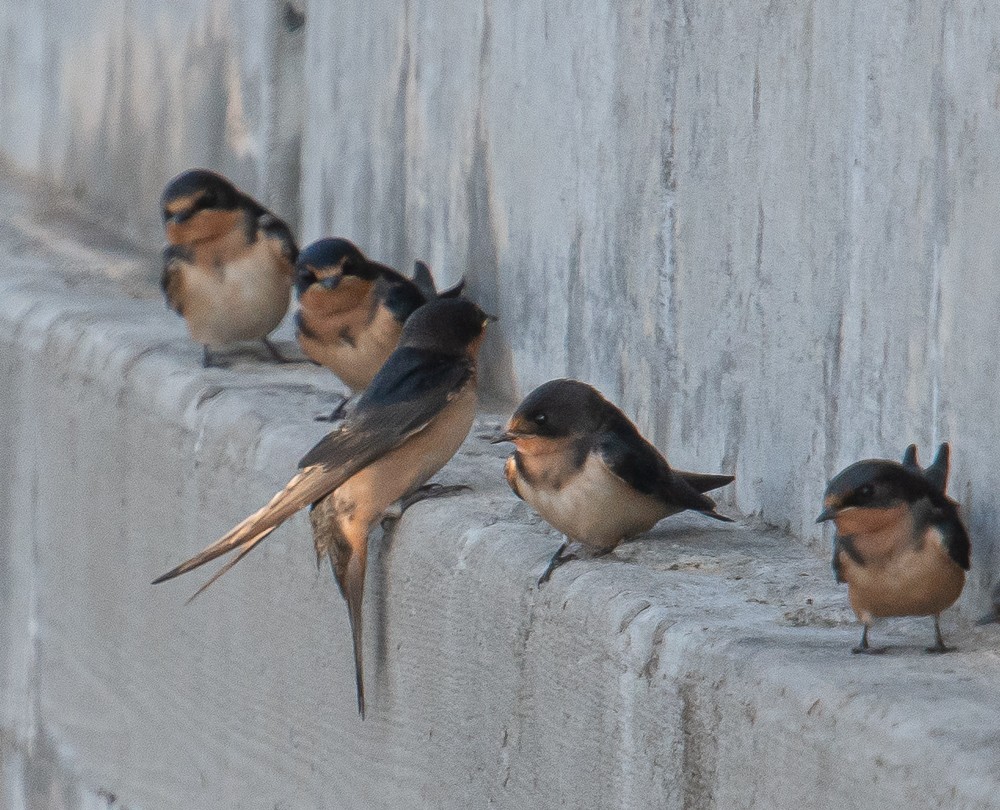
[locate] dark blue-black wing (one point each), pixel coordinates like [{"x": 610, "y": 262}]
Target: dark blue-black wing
[
  {"x": 937, "y": 473},
  {"x": 278, "y": 231},
  {"x": 410, "y": 390},
  {"x": 170, "y": 278},
  {"x": 424, "y": 280},
  {"x": 640, "y": 465},
  {"x": 954, "y": 536}
]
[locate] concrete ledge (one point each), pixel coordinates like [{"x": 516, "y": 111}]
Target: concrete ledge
[{"x": 699, "y": 667}]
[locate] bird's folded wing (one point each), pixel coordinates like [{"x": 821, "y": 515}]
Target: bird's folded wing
[
  {"x": 640, "y": 465},
  {"x": 407, "y": 398}
]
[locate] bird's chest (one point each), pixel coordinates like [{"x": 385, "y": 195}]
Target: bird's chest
[
  {"x": 353, "y": 339},
  {"x": 234, "y": 294},
  {"x": 232, "y": 271},
  {"x": 898, "y": 573},
  {"x": 587, "y": 503},
  {"x": 366, "y": 495}
]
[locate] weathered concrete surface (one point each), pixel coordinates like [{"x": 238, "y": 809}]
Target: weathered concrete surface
[
  {"x": 111, "y": 98},
  {"x": 765, "y": 228},
  {"x": 699, "y": 667}
]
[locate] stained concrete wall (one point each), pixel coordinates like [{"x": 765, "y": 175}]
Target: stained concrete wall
[
  {"x": 765, "y": 228},
  {"x": 701, "y": 666},
  {"x": 111, "y": 98}
]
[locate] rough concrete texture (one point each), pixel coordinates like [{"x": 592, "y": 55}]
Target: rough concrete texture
[
  {"x": 111, "y": 98},
  {"x": 764, "y": 228},
  {"x": 698, "y": 667}
]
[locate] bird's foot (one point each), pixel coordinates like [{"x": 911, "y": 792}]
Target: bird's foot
[
  {"x": 210, "y": 361},
  {"x": 336, "y": 414},
  {"x": 559, "y": 558},
  {"x": 431, "y": 491},
  {"x": 395, "y": 512},
  {"x": 939, "y": 646},
  {"x": 276, "y": 355}
]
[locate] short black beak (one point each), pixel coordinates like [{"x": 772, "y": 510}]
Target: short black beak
[
  {"x": 178, "y": 218},
  {"x": 491, "y": 318},
  {"x": 826, "y": 514},
  {"x": 506, "y": 436},
  {"x": 330, "y": 282}
]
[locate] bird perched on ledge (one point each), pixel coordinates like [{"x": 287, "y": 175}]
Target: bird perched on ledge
[
  {"x": 587, "y": 470},
  {"x": 352, "y": 310},
  {"x": 405, "y": 427},
  {"x": 228, "y": 264},
  {"x": 900, "y": 544}
]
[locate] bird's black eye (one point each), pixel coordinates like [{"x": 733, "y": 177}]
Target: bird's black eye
[
  {"x": 166, "y": 214},
  {"x": 540, "y": 418},
  {"x": 208, "y": 200},
  {"x": 866, "y": 491}
]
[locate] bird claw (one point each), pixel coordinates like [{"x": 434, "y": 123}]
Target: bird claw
[
  {"x": 336, "y": 414},
  {"x": 431, "y": 491},
  {"x": 276, "y": 355},
  {"x": 208, "y": 361},
  {"x": 395, "y": 512},
  {"x": 559, "y": 558}
]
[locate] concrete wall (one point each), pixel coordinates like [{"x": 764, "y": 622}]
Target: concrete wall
[
  {"x": 765, "y": 228},
  {"x": 111, "y": 98},
  {"x": 703, "y": 666}
]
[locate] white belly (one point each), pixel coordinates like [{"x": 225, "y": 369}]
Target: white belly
[
  {"x": 245, "y": 300},
  {"x": 595, "y": 507}
]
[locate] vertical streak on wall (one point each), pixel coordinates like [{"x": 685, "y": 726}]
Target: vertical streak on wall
[
  {"x": 666, "y": 323},
  {"x": 282, "y": 120},
  {"x": 934, "y": 343}
]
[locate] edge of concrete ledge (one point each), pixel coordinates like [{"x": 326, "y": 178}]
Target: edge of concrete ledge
[{"x": 700, "y": 666}]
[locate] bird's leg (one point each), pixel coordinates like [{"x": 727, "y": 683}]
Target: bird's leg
[
  {"x": 939, "y": 645},
  {"x": 864, "y": 649},
  {"x": 337, "y": 414},
  {"x": 395, "y": 512},
  {"x": 557, "y": 559},
  {"x": 208, "y": 361},
  {"x": 277, "y": 356},
  {"x": 430, "y": 491}
]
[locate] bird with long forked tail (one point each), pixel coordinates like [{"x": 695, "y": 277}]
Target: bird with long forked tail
[{"x": 406, "y": 425}]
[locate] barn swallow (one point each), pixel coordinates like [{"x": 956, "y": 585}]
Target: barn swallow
[
  {"x": 228, "y": 264},
  {"x": 587, "y": 470},
  {"x": 404, "y": 428},
  {"x": 900, "y": 544},
  {"x": 352, "y": 310}
]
